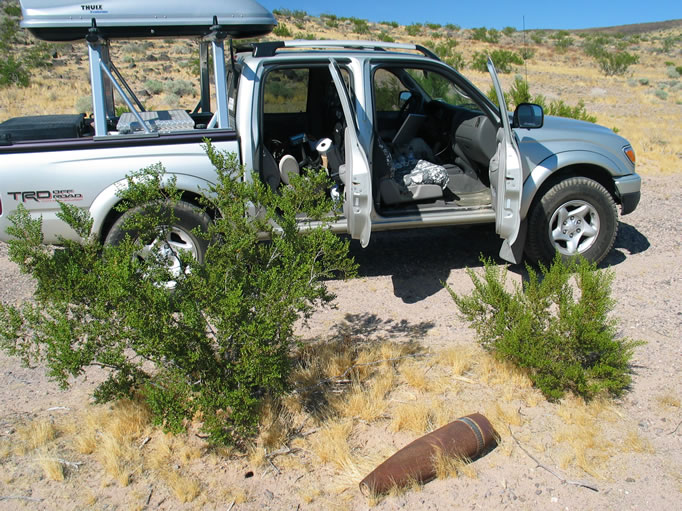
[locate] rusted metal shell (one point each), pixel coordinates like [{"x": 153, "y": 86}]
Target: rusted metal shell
[{"x": 468, "y": 437}]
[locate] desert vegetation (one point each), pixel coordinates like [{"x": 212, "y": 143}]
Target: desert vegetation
[{"x": 314, "y": 416}]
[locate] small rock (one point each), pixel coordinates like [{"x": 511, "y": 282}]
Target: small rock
[
  {"x": 269, "y": 494},
  {"x": 538, "y": 492},
  {"x": 629, "y": 480},
  {"x": 554, "y": 499}
]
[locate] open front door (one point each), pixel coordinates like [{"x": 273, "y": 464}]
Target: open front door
[
  {"x": 506, "y": 182},
  {"x": 357, "y": 204}
]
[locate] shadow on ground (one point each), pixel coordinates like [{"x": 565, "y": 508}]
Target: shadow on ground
[
  {"x": 629, "y": 241},
  {"x": 420, "y": 260}
]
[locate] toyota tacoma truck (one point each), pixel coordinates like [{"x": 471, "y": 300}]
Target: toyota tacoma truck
[{"x": 407, "y": 140}]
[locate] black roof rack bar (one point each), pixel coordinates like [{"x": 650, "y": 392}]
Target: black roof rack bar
[{"x": 268, "y": 49}]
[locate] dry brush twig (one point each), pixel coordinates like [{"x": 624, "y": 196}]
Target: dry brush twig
[{"x": 554, "y": 473}]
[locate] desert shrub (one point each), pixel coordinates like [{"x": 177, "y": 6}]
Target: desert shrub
[
  {"x": 527, "y": 53},
  {"x": 643, "y": 81},
  {"x": 414, "y": 29},
  {"x": 538, "y": 37},
  {"x": 179, "y": 87},
  {"x": 360, "y": 26},
  {"x": 305, "y": 35},
  {"x": 661, "y": 94},
  {"x": 519, "y": 91},
  {"x": 616, "y": 63},
  {"x": 561, "y": 109},
  {"x": 154, "y": 86},
  {"x": 393, "y": 24},
  {"x": 669, "y": 43},
  {"x": 455, "y": 60},
  {"x": 566, "y": 343},
  {"x": 562, "y": 40},
  {"x": 299, "y": 14},
  {"x": 492, "y": 96},
  {"x": 486, "y": 35},
  {"x": 13, "y": 72},
  {"x": 434, "y": 26},
  {"x": 217, "y": 344},
  {"x": 282, "y": 12},
  {"x": 508, "y": 31},
  {"x": 503, "y": 60},
  {"x": 383, "y": 36},
  {"x": 453, "y": 27},
  {"x": 672, "y": 72},
  {"x": 282, "y": 30},
  {"x": 331, "y": 23},
  {"x": 16, "y": 59},
  {"x": 83, "y": 104},
  {"x": 442, "y": 49},
  {"x": 679, "y": 70},
  {"x": 595, "y": 46}
]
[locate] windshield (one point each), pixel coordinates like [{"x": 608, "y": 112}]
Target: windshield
[{"x": 441, "y": 88}]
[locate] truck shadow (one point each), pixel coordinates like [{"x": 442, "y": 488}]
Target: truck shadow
[
  {"x": 420, "y": 260},
  {"x": 629, "y": 241}
]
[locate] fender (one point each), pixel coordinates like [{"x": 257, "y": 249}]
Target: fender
[
  {"x": 558, "y": 161},
  {"x": 108, "y": 198}
]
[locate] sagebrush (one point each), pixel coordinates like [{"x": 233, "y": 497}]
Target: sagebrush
[
  {"x": 217, "y": 342},
  {"x": 556, "y": 326}
]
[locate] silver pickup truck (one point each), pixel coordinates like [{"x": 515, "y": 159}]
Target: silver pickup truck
[{"x": 407, "y": 140}]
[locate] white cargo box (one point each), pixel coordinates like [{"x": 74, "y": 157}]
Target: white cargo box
[{"x": 67, "y": 20}]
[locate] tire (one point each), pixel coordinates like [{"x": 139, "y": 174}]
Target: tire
[
  {"x": 576, "y": 216},
  {"x": 180, "y": 236}
]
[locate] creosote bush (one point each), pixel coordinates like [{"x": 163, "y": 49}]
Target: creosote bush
[
  {"x": 209, "y": 343},
  {"x": 565, "y": 342}
]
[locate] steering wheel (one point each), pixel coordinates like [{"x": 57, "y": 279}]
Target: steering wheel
[{"x": 412, "y": 106}]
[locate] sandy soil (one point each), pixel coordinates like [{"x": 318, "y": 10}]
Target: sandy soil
[{"x": 399, "y": 294}]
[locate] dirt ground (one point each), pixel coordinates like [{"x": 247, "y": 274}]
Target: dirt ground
[{"x": 634, "y": 454}]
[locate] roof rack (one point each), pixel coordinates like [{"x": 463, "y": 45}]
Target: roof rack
[{"x": 268, "y": 49}]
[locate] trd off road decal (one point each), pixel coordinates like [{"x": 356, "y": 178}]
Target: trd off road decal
[{"x": 46, "y": 195}]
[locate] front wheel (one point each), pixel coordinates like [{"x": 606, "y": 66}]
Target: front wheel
[
  {"x": 576, "y": 216},
  {"x": 179, "y": 237}
]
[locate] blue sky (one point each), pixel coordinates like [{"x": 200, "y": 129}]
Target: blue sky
[{"x": 493, "y": 14}]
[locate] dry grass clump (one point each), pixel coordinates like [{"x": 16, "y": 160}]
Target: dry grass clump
[
  {"x": 416, "y": 417},
  {"x": 366, "y": 402},
  {"x": 109, "y": 434},
  {"x": 496, "y": 372},
  {"x": 448, "y": 466},
  {"x": 52, "y": 468},
  {"x": 668, "y": 400},
  {"x": 331, "y": 443},
  {"x": 459, "y": 359},
  {"x": 34, "y": 435},
  {"x": 185, "y": 489}
]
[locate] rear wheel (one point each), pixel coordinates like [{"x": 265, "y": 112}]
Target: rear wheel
[
  {"x": 576, "y": 216},
  {"x": 180, "y": 236}
]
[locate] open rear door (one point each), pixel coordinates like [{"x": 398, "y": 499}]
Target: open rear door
[
  {"x": 357, "y": 204},
  {"x": 506, "y": 180}
]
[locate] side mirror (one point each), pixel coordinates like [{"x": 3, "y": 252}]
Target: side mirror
[
  {"x": 529, "y": 116},
  {"x": 404, "y": 97}
]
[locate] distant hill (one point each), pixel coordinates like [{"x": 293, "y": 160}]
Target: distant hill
[{"x": 635, "y": 28}]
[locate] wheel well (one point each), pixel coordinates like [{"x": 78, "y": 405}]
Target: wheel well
[
  {"x": 594, "y": 172},
  {"x": 187, "y": 196}
]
